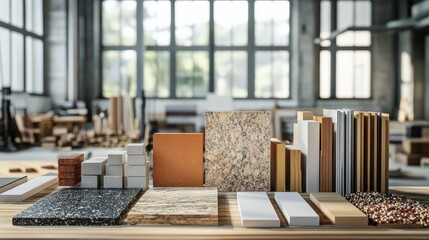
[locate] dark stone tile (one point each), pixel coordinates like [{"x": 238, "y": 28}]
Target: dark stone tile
[{"x": 81, "y": 207}]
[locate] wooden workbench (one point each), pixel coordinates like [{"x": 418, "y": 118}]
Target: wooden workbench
[{"x": 229, "y": 222}]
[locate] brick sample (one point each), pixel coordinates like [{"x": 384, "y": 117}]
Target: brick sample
[
  {"x": 69, "y": 169},
  {"x": 178, "y": 160}
]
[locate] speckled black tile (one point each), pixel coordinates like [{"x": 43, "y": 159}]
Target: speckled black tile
[{"x": 81, "y": 207}]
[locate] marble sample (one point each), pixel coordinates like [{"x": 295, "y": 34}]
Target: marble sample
[
  {"x": 116, "y": 158},
  {"x": 28, "y": 189},
  {"x": 237, "y": 151},
  {"x": 256, "y": 210},
  {"x": 89, "y": 181},
  {"x": 296, "y": 210},
  {"x": 136, "y": 149},
  {"x": 178, "y": 159},
  {"x": 114, "y": 170},
  {"x": 94, "y": 166},
  {"x": 136, "y": 160},
  {"x": 134, "y": 170},
  {"x": 82, "y": 207},
  {"x": 113, "y": 182},
  {"x": 176, "y": 206}
]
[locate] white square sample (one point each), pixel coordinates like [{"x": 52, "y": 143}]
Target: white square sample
[
  {"x": 136, "y": 160},
  {"x": 136, "y": 182},
  {"x": 114, "y": 170},
  {"x": 90, "y": 181},
  {"x": 94, "y": 166},
  {"x": 256, "y": 210},
  {"x": 113, "y": 182},
  {"x": 296, "y": 210},
  {"x": 136, "y": 149},
  {"x": 309, "y": 144},
  {"x": 116, "y": 158},
  {"x": 135, "y": 171}
]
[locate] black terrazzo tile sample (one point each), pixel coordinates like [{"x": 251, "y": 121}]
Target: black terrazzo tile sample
[{"x": 80, "y": 207}]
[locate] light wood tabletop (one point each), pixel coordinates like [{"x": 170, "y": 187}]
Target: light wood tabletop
[{"x": 229, "y": 221}]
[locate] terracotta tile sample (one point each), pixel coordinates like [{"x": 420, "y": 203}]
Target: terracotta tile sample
[
  {"x": 237, "y": 151},
  {"x": 178, "y": 160},
  {"x": 69, "y": 168},
  {"x": 70, "y": 158}
]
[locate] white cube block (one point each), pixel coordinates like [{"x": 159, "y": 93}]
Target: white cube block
[
  {"x": 134, "y": 171},
  {"x": 136, "y": 149},
  {"x": 136, "y": 160},
  {"x": 113, "y": 182},
  {"x": 114, "y": 170},
  {"x": 94, "y": 166},
  {"x": 116, "y": 158},
  {"x": 88, "y": 181},
  {"x": 136, "y": 182}
]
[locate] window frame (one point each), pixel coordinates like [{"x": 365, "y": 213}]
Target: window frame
[
  {"x": 26, "y": 34},
  {"x": 211, "y": 48},
  {"x": 333, "y": 49}
]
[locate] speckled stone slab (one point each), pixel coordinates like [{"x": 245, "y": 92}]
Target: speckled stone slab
[
  {"x": 237, "y": 151},
  {"x": 81, "y": 207},
  {"x": 176, "y": 206}
]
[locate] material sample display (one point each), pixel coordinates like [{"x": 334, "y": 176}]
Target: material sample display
[
  {"x": 296, "y": 210},
  {"x": 82, "y": 207},
  {"x": 176, "y": 206},
  {"x": 30, "y": 188},
  {"x": 256, "y": 210},
  {"x": 178, "y": 160},
  {"x": 114, "y": 177},
  {"x": 338, "y": 209},
  {"x": 326, "y": 166},
  {"x": 69, "y": 169},
  {"x": 136, "y": 168},
  {"x": 92, "y": 171},
  {"x": 278, "y": 165},
  {"x": 237, "y": 151},
  {"x": 9, "y": 183},
  {"x": 293, "y": 164}
]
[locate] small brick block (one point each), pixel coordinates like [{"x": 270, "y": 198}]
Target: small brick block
[
  {"x": 69, "y": 168},
  {"x": 136, "y": 149},
  {"x": 91, "y": 181},
  {"x": 136, "y": 182},
  {"x": 94, "y": 166},
  {"x": 114, "y": 170},
  {"x": 68, "y": 182},
  {"x": 136, "y": 160},
  {"x": 116, "y": 158},
  {"x": 67, "y": 175},
  {"x": 70, "y": 158},
  {"x": 113, "y": 182},
  {"x": 135, "y": 171}
]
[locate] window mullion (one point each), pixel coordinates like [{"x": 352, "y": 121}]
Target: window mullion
[{"x": 251, "y": 50}]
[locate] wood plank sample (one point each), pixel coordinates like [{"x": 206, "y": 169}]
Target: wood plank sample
[
  {"x": 237, "y": 150},
  {"x": 309, "y": 144},
  {"x": 359, "y": 151},
  {"x": 369, "y": 151},
  {"x": 349, "y": 151},
  {"x": 376, "y": 158},
  {"x": 338, "y": 209},
  {"x": 296, "y": 210},
  {"x": 256, "y": 210},
  {"x": 178, "y": 160},
  {"x": 81, "y": 207},
  {"x": 336, "y": 140},
  {"x": 30, "y": 188},
  {"x": 293, "y": 164},
  {"x": 416, "y": 145},
  {"x": 278, "y": 165},
  {"x": 325, "y": 157},
  {"x": 176, "y": 206},
  {"x": 384, "y": 179}
]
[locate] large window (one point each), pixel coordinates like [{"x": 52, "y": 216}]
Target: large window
[
  {"x": 21, "y": 45},
  {"x": 345, "y": 62},
  {"x": 191, "y": 47}
]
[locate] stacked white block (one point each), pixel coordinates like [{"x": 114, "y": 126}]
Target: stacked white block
[
  {"x": 114, "y": 177},
  {"x": 136, "y": 169},
  {"x": 92, "y": 171}
]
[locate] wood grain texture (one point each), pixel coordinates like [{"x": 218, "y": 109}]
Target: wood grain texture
[{"x": 229, "y": 221}]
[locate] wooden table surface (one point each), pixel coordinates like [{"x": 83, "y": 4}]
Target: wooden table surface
[{"x": 229, "y": 221}]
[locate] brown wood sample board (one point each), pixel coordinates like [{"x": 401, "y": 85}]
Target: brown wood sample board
[
  {"x": 338, "y": 209},
  {"x": 178, "y": 160}
]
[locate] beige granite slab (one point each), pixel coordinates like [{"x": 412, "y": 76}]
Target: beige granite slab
[
  {"x": 237, "y": 151},
  {"x": 176, "y": 206}
]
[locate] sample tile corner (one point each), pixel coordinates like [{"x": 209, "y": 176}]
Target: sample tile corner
[
  {"x": 79, "y": 207},
  {"x": 237, "y": 151},
  {"x": 178, "y": 160},
  {"x": 176, "y": 206}
]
